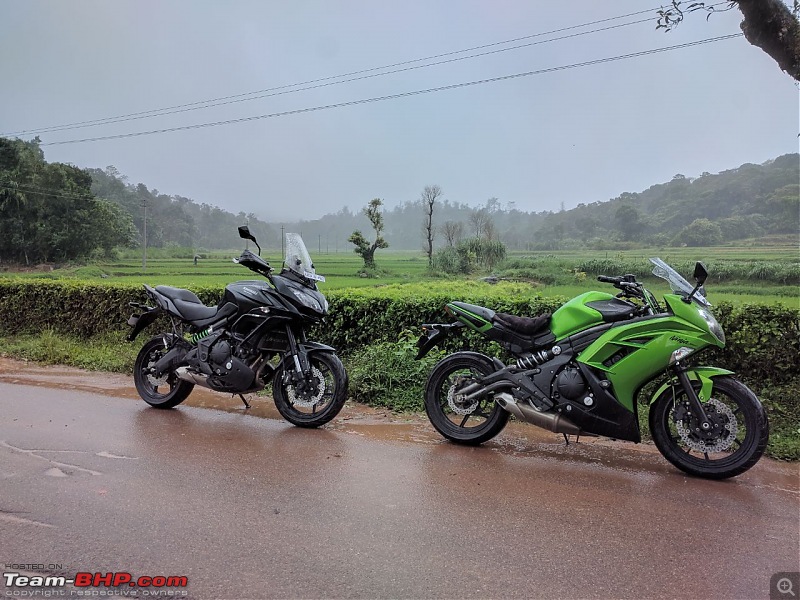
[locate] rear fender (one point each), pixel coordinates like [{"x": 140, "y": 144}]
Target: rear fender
[
  {"x": 432, "y": 335},
  {"x": 141, "y": 321},
  {"x": 704, "y": 375}
]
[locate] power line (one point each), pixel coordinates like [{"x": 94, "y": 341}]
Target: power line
[
  {"x": 400, "y": 95},
  {"x": 25, "y": 189},
  {"x": 258, "y": 94},
  {"x": 223, "y": 102}
]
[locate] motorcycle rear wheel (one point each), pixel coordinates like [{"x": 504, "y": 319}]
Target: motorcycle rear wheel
[
  {"x": 318, "y": 404},
  {"x": 738, "y": 418},
  {"x": 449, "y": 414},
  {"x": 165, "y": 392}
]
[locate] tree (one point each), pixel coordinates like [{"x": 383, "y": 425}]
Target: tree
[
  {"x": 629, "y": 222},
  {"x": 452, "y": 232},
  {"x": 479, "y": 220},
  {"x": 767, "y": 24},
  {"x": 700, "y": 232},
  {"x": 364, "y": 248},
  {"x": 428, "y": 198},
  {"x": 47, "y": 210}
]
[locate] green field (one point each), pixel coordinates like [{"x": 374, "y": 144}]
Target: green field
[{"x": 548, "y": 273}]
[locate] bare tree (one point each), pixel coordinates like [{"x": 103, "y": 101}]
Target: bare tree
[
  {"x": 767, "y": 24},
  {"x": 479, "y": 220},
  {"x": 428, "y": 198},
  {"x": 452, "y": 232}
]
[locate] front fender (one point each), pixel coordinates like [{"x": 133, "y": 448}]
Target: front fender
[
  {"x": 309, "y": 347},
  {"x": 704, "y": 375}
]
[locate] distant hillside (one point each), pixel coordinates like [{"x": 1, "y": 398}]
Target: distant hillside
[
  {"x": 745, "y": 202},
  {"x": 749, "y": 201}
]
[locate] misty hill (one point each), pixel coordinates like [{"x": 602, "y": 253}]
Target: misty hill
[{"x": 745, "y": 202}]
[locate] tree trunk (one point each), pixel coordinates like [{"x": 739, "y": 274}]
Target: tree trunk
[{"x": 771, "y": 26}]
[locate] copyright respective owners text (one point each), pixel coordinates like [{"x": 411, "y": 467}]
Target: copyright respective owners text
[{"x": 54, "y": 580}]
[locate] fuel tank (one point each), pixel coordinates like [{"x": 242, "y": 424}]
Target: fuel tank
[
  {"x": 247, "y": 295},
  {"x": 575, "y": 315}
]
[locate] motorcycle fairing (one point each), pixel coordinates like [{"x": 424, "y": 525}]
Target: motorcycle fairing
[{"x": 632, "y": 353}]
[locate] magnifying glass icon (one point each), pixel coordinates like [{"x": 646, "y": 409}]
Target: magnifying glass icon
[{"x": 784, "y": 586}]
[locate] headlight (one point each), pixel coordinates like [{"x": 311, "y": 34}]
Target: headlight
[
  {"x": 309, "y": 301},
  {"x": 713, "y": 325}
]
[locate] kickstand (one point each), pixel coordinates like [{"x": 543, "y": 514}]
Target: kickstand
[
  {"x": 245, "y": 402},
  {"x": 566, "y": 438}
]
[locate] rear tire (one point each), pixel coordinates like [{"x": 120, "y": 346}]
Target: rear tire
[
  {"x": 322, "y": 401},
  {"x": 448, "y": 414},
  {"x": 165, "y": 392},
  {"x": 738, "y": 417}
]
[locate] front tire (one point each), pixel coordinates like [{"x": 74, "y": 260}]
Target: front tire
[
  {"x": 320, "y": 399},
  {"x": 469, "y": 423},
  {"x": 164, "y": 392},
  {"x": 740, "y": 425}
]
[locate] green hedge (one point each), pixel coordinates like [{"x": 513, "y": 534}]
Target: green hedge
[{"x": 763, "y": 340}]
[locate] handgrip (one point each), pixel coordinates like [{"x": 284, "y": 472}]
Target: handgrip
[{"x": 607, "y": 279}]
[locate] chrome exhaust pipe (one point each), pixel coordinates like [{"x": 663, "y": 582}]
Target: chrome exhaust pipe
[
  {"x": 192, "y": 377},
  {"x": 555, "y": 422}
]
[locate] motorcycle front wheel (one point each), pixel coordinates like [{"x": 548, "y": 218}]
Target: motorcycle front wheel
[
  {"x": 460, "y": 420},
  {"x": 316, "y": 400},
  {"x": 166, "y": 391},
  {"x": 737, "y": 439}
]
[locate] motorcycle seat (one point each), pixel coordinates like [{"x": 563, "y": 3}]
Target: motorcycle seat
[
  {"x": 187, "y": 303},
  {"x": 528, "y": 326}
]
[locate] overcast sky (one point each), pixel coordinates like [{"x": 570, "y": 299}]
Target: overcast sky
[{"x": 574, "y": 135}]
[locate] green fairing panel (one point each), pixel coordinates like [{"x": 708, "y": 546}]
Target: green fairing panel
[
  {"x": 704, "y": 375},
  {"x": 631, "y": 354},
  {"x": 575, "y": 316},
  {"x": 471, "y": 318}
]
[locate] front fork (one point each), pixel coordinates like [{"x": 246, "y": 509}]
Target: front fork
[
  {"x": 694, "y": 400},
  {"x": 300, "y": 360}
]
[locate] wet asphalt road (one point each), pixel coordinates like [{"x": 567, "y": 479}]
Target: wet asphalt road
[{"x": 251, "y": 507}]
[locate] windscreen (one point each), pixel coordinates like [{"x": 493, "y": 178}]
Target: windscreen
[
  {"x": 676, "y": 283},
  {"x": 297, "y": 258}
]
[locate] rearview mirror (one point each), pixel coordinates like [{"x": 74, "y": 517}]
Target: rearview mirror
[
  {"x": 244, "y": 233},
  {"x": 700, "y": 273}
]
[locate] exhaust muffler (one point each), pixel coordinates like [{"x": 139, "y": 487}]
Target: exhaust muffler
[
  {"x": 555, "y": 422},
  {"x": 192, "y": 377}
]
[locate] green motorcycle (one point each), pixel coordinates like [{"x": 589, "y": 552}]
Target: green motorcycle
[{"x": 579, "y": 371}]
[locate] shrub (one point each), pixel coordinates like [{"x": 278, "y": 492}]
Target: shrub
[{"x": 400, "y": 381}]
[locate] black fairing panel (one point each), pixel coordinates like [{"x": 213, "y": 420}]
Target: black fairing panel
[
  {"x": 248, "y": 295},
  {"x": 286, "y": 283},
  {"x": 616, "y": 421}
]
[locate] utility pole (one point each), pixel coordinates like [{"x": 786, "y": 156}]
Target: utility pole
[
  {"x": 283, "y": 252},
  {"x": 319, "y": 243},
  {"x": 144, "y": 243}
]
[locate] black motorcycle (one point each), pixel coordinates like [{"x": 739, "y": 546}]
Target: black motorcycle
[{"x": 254, "y": 336}]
